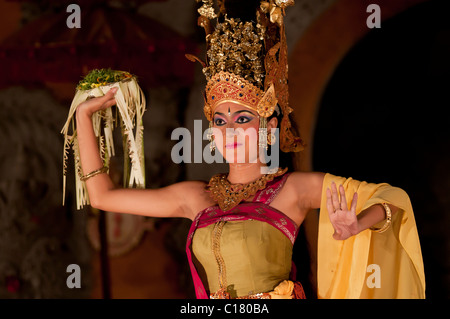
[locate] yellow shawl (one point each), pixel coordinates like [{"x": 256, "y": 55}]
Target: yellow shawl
[{"x": 349, "y": 268}]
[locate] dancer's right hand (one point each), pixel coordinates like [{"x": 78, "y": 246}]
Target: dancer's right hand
[{"x": 95, "y": 104}]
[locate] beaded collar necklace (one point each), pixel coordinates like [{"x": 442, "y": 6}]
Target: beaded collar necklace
[{"x": 229, "y": 195}]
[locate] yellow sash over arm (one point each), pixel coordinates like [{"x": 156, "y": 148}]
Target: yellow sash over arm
[{"x": 346, "y": 269}]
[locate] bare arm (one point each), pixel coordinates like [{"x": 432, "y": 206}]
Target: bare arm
[
  {"x": 373, "y": 215},
  {"x": 172, "y": 201},
  {"x": 344, "y": 220}
]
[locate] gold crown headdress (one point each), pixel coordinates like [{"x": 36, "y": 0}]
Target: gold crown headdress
[{"x": 247, "y": 62}]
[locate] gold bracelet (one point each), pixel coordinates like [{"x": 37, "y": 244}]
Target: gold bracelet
[
  {"x": 104, "y": 169},
  {"x": 388, "y": 220}
]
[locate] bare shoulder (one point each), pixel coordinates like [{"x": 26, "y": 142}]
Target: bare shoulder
[
  {"x": 306, "y": 179},
  {"x": 307, "y": 186}
]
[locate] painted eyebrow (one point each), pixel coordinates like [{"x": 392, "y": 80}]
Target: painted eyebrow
[{"x": 237, "y": 112}]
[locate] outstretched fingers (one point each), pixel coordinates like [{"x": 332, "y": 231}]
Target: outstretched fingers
[
  {"x": 342, "y": 217},
  {"x": 344, "y": 205},
  {"x": 354, "y": 203},
  {"x": 330, "y": 207},
  {"x": 335, "y": 197},
  {"x": 338, "y": 201}
]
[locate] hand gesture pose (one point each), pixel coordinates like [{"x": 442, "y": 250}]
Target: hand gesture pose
[
  {"x": 344, "y": 220},
  {"x": 95, "y": 104}
]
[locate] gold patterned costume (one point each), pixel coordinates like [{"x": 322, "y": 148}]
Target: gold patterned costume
[
  {"x": 246, "y": 64},
  {"x": 245, "y": 252},
  {"x": 234, "y": 250}
]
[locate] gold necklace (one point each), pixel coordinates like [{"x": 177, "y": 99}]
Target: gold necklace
[{"x": 229, "y": 195}]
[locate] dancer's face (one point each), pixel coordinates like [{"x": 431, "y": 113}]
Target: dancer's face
[{"x": 236, "y": 132}]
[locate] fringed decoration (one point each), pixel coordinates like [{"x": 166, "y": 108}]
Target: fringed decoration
[{"x": 130, "y": 108}]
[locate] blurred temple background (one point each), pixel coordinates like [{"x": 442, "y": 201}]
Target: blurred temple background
[{"x": 370, "y": 103}]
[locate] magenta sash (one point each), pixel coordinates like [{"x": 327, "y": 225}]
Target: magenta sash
[{"x": 258, "y": 209}]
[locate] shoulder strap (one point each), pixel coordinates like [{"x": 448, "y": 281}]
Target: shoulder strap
[{"x": 268, "y": 194}]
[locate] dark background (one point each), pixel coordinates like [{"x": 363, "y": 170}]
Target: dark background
[{"x": 384, "y": 118}]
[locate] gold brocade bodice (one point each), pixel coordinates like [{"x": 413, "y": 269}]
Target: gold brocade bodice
[{"x": 256, "y": 256}]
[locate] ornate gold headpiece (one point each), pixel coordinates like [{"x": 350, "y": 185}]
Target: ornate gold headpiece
[
  {"x": 225, "y": 86},
  {"x": 247, "y": 62}
]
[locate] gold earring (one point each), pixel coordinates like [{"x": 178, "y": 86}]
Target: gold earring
[
  {"x": 262, "y": 132},
  {"x": 271, "y": 138},
  {"x": 212, "y": 145}
]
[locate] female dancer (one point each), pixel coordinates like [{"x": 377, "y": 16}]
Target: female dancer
[{"x": 245, "y": 222}]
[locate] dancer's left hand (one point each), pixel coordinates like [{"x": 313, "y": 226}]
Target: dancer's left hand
[{"x": 344, "y": 220}]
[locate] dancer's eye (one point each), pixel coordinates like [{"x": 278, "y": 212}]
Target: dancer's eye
[
  {"x": 243, "y": 119},
  {"x": 219, "y": 122}
]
